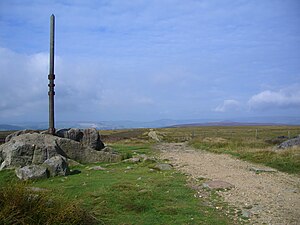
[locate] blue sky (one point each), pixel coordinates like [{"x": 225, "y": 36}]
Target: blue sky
[{"x": 146, "y": 60}]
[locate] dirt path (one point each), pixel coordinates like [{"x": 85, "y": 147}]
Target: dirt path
[{"x": 270, "y": 198}]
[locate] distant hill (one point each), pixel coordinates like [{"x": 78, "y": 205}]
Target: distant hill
[
  {"x": 4, "y": 127},
  {"x": 226, "y": 124},
  {"x": 111, "y": 125}
]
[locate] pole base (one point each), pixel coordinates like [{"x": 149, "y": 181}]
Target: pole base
[{"x": 51, "y": 131}]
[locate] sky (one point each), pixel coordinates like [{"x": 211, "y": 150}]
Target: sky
[{"x": 146, "y": 60}]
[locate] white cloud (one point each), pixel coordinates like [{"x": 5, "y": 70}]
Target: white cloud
[
  {"x": 283, "y": 98},
  {"x": 228, "y": 105},
  {"x": 23, "y": 88}
]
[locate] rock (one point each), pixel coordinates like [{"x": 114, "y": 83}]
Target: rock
[
  {"x": 97, "y": 168},
  {"x": 72, "y": 162},
  {"x": 91, "y": 138},
  {"x": 218, "y": 185},
  {"x": 132, "y": 160},
  {"x": 162, "y": 167},
  {"x": 289, "y": 143},
  {"x": 261, "y": 170},
  {"x": 246, "y": 214},
  {"x": 82, "y": 154},
  {"x": 16, "y": 155},
  {"x": 74, "y": 134},
  {"x": 147, "y": 159},
  {"x": 28, "y": 149},
  {"x": 17, "y": 133},
  {"x": 36, "y": 148},
  {"x": 32, "y": 172},
  {"x": 152, "y": 134},
  {"x": 57, "y": 166},
  {"x": 277, "y": 140}
]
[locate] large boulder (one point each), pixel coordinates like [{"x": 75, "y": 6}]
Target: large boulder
[
  {"x": 28, "y": 149},
  {"x": 32, "y": 172},
  {"x": 57, "y": 166},
  {"x": 91, "y": 138},
  {"x": 84, "y": 154},
  {"x": 36, "y": 148}
]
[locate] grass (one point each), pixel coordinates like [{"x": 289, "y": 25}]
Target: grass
[
  {"x": 127, "y": 193},
  {"x": 21, "y": 205},
  {"x": 245, "y": 145}
]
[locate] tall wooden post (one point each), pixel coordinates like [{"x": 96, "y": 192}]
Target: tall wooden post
[{"x": 51, "y": 77}]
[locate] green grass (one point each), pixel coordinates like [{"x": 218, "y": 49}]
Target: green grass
[
  {"x": 245, "y": 145},
  {"x": 127, "y": 193},
  {"x": 21, "y": 205}
]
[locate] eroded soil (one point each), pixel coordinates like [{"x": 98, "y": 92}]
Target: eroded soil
[{"x": 264, "y": 198}]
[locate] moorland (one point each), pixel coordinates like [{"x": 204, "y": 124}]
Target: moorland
[{"x": 137, "y": 193}]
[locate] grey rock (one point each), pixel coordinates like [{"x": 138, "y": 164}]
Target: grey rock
[
  {"x": 28, "y": 149},
  {"x": 32, "y": 172},
  {"x": 57, "y": 166},
  {"x": 91, "y": 138},
  {"x": 246, "y": 214},
  {"x": 218, "y": 185},
  {"x": 72, "y": 162},
  {"x": 153, "y": 135},
  {"x": 14, "y": 155},
  {"x": 149, "y": 159},
  {"x": 17, "y": 133},
  {"x": 97, "y": 168},
  {"x": 262, "y": 170},
  {"x": 74, "y": 134},
  {"x": 83, "y": 154},
  {"x": 132, "y": 160},
  {"x": 35, "y": 148},
  {"x": 289, "y": 143},
  {"x": 163, "y": 167}
]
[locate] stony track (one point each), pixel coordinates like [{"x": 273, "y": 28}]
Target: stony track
[{"x": 266, "y": 197}]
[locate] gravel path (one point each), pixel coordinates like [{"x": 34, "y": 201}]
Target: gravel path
[{"x": 267, "y": 197}]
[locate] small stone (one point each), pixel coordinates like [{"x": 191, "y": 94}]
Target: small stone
[
  {"x": 96, "y": 168},
  {"x": 132, "y": 160},
  {"x": 218, "y": 185},
  {"x": 246, "y": 214},
  {"x": 262, "y": 170},
  {"x": 163, "y": 167},
  {"x": 248, "y": 207}
]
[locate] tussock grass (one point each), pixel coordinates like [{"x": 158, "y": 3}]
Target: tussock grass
[
  {"x": 21, "y": 205},
  {"x": 243, "y": 143}
]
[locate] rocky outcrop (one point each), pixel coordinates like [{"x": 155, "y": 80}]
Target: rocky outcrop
[
  {"x": 290, "y": 143},
  {"x": 36, "y": 148},
  {"x": 153, "y": 135}
]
